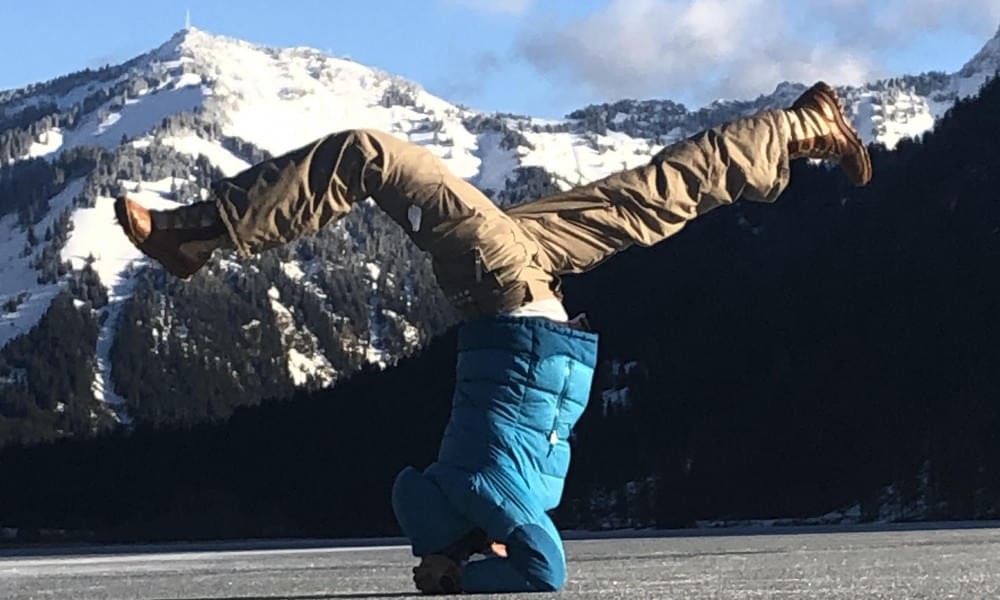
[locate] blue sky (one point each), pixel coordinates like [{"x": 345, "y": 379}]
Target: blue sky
[{"x": 537, "y": 57}]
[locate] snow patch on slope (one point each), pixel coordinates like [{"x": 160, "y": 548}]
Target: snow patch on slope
[
  {"x": 65, "y": 101},
  {"x": 891, "y": 115},
  {"x": 49, "y": 142},
  {"x": 495, "y": 163},
  {"x": 229, "y": 163},
  {"x": 980, "y": 68},
  {"x": 108, "y": 125},
  {"x": 301, "y": 272},
  {"x": 281, "y": 99},
  {"x": 17, "y": 277},
  {"x": 305, "y": 361},
  {"x": 579, "y": 159},
  {"x": 96, "y": 236}
]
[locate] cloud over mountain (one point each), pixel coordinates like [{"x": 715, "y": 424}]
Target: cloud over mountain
[{"x": 705, "y": 49}]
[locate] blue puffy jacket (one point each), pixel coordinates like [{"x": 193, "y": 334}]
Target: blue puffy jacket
[{"x": 521, "y": 385}]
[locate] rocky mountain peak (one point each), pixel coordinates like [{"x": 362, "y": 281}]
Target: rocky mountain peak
[{"x": 986, "y": 61}]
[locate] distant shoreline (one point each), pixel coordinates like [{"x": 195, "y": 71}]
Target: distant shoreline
[{"x": 11, "y": 549}]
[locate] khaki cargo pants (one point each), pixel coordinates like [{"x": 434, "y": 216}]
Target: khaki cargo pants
[{"x": 487, "y": 260}]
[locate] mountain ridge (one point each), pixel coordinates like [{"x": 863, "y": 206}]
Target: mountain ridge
[{"x": 164, "y": 124}]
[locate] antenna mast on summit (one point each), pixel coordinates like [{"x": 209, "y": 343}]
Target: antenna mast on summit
[{"x": 187, "y": 19}]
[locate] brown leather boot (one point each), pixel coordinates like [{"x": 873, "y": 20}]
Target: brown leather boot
[
  {"x": 181, "y": 239},
  {"x": 820, "y": 130}
]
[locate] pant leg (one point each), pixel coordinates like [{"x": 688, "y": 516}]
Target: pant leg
[
  {"x": 582, "y": 227},
  {"x": 483, "y": 261},
  {"x": 536, "y": 562}
]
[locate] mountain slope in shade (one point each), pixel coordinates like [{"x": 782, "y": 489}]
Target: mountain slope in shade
[{"x": 164, "y": 124}]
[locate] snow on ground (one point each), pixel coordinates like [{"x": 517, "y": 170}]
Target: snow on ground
[
  {"x": 301, "y": 366},
  {"x": 410, "y": 333},
  {"x": 102, "y": 386},
  {"x": 864, "y": 119},
  {"x": 105, "y": 127},
  {"x": 577, "y": 159},
  {"x": 229, "y": 163},
  {"x": 280, "y": 99},
  {"x": 74, "y": 96},
  {"x": 294, "y": 271},
  {"x": 495, "y": 163},
  {"x": 373, "y": 273},
  {"x": 96, "y": 233},
  {"x": 375, "y": 355},
  {"x": 305, "y": 360},
  {"x": 461, "y": 144},
  {"x": 17, "y": 277},
  {"x": 51, "y": 141},
  {"x": 374, "y": 350},
  {"x": 896, "y": 115},
  {"x": 28, "y": 313},
  {"x": 970, "y": 86},
  {"x": 900, "y": 128},
  {"x": 983, "y": 66}
]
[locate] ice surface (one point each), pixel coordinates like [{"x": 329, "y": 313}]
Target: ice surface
[{"x": 820, "y": 564}]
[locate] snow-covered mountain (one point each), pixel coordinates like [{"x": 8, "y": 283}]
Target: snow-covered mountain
[
  {"x": 884, "y": 111},
  {"x": 163, "y": 124}
]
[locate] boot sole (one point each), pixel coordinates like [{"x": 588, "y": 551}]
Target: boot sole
[
  {"x": 858, "y": 146},
  {"x": 174, "y": 266},
  {"x": 121, "y": 215}
]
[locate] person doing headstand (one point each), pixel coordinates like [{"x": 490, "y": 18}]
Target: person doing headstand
[{"x": 524, "y": 369}]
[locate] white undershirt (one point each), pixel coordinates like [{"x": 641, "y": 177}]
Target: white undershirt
[{"x": 550, "y": 308}]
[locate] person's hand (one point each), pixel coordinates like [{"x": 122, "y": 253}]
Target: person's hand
[
  {"x": 497, "y": 549},
  {"x": 438, "y": 574}
]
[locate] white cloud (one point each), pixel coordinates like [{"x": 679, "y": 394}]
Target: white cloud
[
  {"x": 886, "y": 22},
  {"x": 705, "y": 49}
]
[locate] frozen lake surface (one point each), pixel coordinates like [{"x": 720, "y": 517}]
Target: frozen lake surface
[{"x": 945, "y": 563}]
